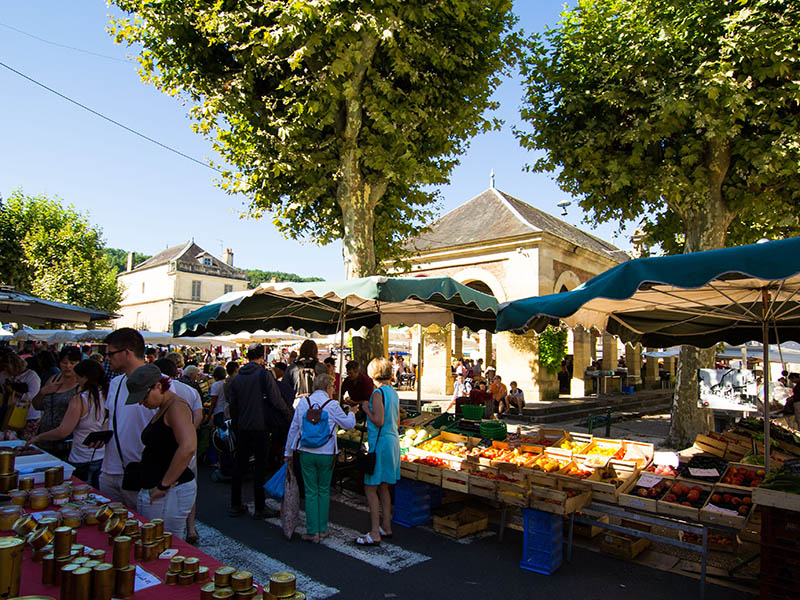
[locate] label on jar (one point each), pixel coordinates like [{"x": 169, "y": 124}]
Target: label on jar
[{"x": 58, "y": 501}]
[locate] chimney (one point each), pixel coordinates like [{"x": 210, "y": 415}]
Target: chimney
[
  {"x": 130, "y": 262},
  {"x": 227, "y": 256}
]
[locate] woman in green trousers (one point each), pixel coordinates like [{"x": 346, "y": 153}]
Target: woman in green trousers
[{"x": 316, "y": 463}]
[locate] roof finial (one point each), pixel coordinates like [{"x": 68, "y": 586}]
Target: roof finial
[{"x": 491, "y": 180}]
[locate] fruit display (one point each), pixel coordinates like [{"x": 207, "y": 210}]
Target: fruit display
[
  {"x": 743, "y": 476},
  {"x": 687, "y": 495},
  {"x": 723, "y": 542},
  {"x": 730, "y": 500},
  {"x": 571, "y": 445},
  {"x": 787, "y": 480},
  {"x": 703, "y": 462},
  {"x": 494, "y": 476},
  {"x": 412, "y": 437},
  {"x": 549, "y": 463},
  {"x": 654, "y": 492},
  {"x": 516, "y": 456},
  {"x": 459, "y": 450},
  {"x": 353, "y": 435},
  {"x": 578, "y": 471},
  {"x": 431, "y": 461}
]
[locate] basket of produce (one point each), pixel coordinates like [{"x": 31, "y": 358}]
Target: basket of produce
[
  {"x": 727, "y": 506},
  {"x": 684, "y": 499},
  {"x": 707, "y": 469},
  {"x": 646, "y": 493},
  {"x": 743, "y": 475},
  {"x": 574, "y": 442}
]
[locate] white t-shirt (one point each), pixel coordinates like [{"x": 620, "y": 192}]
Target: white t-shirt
[
  {"x": 88, "y": 423},
  {"x": 274, "y": 356},
  {"x": 34, "y": 384},
  {"x": 188, "y": 393},
  {"x": 218, "y": 390},
  {"x": 131, "y": 421}
]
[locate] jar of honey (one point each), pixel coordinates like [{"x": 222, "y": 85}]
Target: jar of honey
[{"x": 39, "y": 499}]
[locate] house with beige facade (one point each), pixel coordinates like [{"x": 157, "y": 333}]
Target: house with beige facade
[
  {"x": 500, "y": 245},
  {"x": 173, "y": 283}
]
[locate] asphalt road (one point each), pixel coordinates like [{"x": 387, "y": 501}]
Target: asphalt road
[{"x": 419, "y": 563}]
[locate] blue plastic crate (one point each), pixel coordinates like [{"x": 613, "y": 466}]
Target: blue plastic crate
[
  {"x": 412, "y": 522},
  {"x": 411, "y": 518},
  {"x": 412, "y": 499},
  {"x": 545, "y": 563},
  {"x": 543, "y": 542},
  {"x": 538, "y": 520},
  {"x": 436, "y": 497}
]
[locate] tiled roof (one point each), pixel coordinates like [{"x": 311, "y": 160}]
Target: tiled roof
[
  {"x": 189, "y": 254},
  {"x": 494, "y": 215}
]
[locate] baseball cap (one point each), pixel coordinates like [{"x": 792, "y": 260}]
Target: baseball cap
[{"x": 140, "y": 382}]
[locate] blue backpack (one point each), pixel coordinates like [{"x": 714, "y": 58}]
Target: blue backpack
[{"x": 316, "y": 430}]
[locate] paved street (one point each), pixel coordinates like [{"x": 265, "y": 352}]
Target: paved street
[{"x": 420, "y": 563}]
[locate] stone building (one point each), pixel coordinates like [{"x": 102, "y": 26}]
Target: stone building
[
  {"x": 503, "y": 246},
  {"x": 173, "y": 283}
]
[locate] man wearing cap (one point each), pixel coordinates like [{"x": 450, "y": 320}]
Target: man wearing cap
[
  {"x": 257, "y": 409},
  {"x": 125, "y": 354}
]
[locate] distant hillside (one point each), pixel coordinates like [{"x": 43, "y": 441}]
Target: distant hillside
[
  {"x": 118, "y": 259},
  {"x": 256, "y": 277}
]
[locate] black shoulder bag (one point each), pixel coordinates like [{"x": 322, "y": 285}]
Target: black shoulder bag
[
  {"x": 132, "y": 472},
  {"x": 365, "y": 461}
]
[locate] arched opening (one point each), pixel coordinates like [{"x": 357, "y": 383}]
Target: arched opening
[{"x": 480, "y": 286}]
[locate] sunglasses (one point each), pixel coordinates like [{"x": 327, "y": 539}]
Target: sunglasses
[{"x": 113, "y": 352}]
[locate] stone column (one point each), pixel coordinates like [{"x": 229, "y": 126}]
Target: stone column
[
  {"x": 436, "y": 359},
  {"x": 581, "y": 359},
  {"x": 485, "y": 348},
  {"x": 593, "y": 346},
  {"x": 518, "y": 360},
  {"x": 651, "y": 378},
  {"x": 633, "y": 360},
  {"x": 458, "y": 342},
  {"x": 609, "y": 352}
]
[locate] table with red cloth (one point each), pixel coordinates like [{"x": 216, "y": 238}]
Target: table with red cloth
[{"x": 91, "y": 536}]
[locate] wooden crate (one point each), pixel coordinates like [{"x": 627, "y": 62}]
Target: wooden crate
[
  {"x": 678, "y": 510},
  {"x": 483, "y": 487},
  {"x": 429, "y": 474},
  {"x": 458, "y": 481},
  {"x": 589, "y": 531},
  {"x": 550, "y": 435},
  {"x": 563, "y": 501},
  {"x": 514, "y": 493},
  {"x": 776, "y": 499},
  {"x": 581, "y": 438},
  {"x": 720, "y": 541},
  {"x": 585, "y": 482},
  {"x": 599, "y": 443},
  {"x": 462, "y": 523},
  {"x": 608, "y": 491},
  {"x": 538, "y": 477},
  {"x": 739, "y": 466},
  {"x": 644, "y": 449},
  {"x": 712, "y": 443},
  {"x": 628, "y": 498},
  {"x": 622, "y": 546},
  {"x": 408, "y": 469}
]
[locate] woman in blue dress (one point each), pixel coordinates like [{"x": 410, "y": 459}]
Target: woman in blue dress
[{"x": 382, "y": 410}]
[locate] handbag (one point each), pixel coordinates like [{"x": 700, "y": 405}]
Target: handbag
[
  {"x": 366, "y": 461},
  {"x": 276, "y": 485},
  {"x": 132, "y": 472}
]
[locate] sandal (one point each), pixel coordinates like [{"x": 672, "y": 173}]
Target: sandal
[
  {"x": 324, "y": 535},
  {"x": 384, "y": 534},
  {"x": 312, "y": 538},
  {"x": 366, "y": 540}
]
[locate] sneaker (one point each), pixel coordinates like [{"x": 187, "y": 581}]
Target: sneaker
[
  {"x": 266, "y": 513},
  {"x": 237, "y": 511}
]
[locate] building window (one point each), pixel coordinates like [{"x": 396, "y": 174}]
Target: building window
[
  {"x": 206, "y": 261},
  {"x": 228, "y": 288},
  {"x": 143, "y": 287},
  {"x": 195, "y": 290}
]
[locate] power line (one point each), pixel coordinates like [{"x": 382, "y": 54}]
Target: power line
[
  {"x": 110, "y": 120},
  {"x": 41, "y": 39}
]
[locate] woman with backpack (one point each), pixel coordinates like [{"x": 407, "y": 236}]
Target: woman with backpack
[
  {"x": 313, "y": 433},
  {"x": 304, "y": 369}
]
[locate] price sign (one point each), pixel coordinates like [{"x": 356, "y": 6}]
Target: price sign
[
  {"x": 144, "y": 580},
  {"x": 648, "y": 481},
  {"x": 723, "y": 511},
  {"x": 703, "y": 472}
]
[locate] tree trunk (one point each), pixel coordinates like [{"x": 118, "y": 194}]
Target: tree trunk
[{"x": 705, "y": 225}]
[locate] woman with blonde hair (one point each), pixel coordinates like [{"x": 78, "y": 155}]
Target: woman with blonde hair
[{"x": 382, "y": 411}]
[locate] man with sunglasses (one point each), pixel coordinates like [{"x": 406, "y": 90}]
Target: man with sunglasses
[{"x": 125, "y": 354}]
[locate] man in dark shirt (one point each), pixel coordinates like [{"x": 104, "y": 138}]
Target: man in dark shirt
[
  {"x": 287, "y": 391},
  {"x": 356, "y": 385}
]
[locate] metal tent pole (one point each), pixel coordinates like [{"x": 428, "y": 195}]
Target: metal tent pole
[
  {"x": 342, "y": 317},
  {"x": 765, "y": 334},
  {"x": 419, "y": 369}
]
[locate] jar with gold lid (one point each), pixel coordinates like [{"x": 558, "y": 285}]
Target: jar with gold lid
[
  {"x": 80, "y": 492},
  {"x": 59, "y": 494},
  {"x": 9, "y": 481},
  {"x": 39, "y": 499},
  {"x": 71, "y": 517},
  {"x": 18, "y": 497},
  {"x": 26, "y": 482},
  {"x": 24, "y": 525},
  {"x": 9, "y": 516}
]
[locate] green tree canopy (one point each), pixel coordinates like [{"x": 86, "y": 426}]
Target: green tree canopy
[
  {"x": 54, "y": 252},
  {"x": 118, "y": 258},
  {"x": 256, "y": 277},
  {"x": 679, "y": 114},
  {"x": 334, "y": 114}
]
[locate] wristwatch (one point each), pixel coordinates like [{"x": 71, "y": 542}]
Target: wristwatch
[{"x": 163, "y": 488}]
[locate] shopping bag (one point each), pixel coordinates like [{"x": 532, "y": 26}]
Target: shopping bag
[
  {"x": 277, "y": 483},
  {"x": 290, "y": 506}
]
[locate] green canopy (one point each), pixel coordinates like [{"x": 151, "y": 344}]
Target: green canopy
[
  {"x": 733, "y": 295},
  {"x": 697, "y": 299},
  {"x": 368, "y": 301}
]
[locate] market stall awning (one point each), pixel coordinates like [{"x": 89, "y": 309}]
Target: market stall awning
[
  {"x": 25, "y": 309},
  {"x": 697, "y": 299},
  {"x": 369, "y": 301}
]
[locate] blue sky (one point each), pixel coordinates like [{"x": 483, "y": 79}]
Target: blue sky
[{"x": 146, "y": 198}]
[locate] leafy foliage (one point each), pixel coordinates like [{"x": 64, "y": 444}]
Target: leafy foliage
[
  {"x": 552, "y": 348},
  {"x": 118, "y": 259},
  {"x": 256, "y": 277},
  {"x": 54, "y": 252},
  {"x": 679, "y": 114},
  {"x": 335, "y": 115}
]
